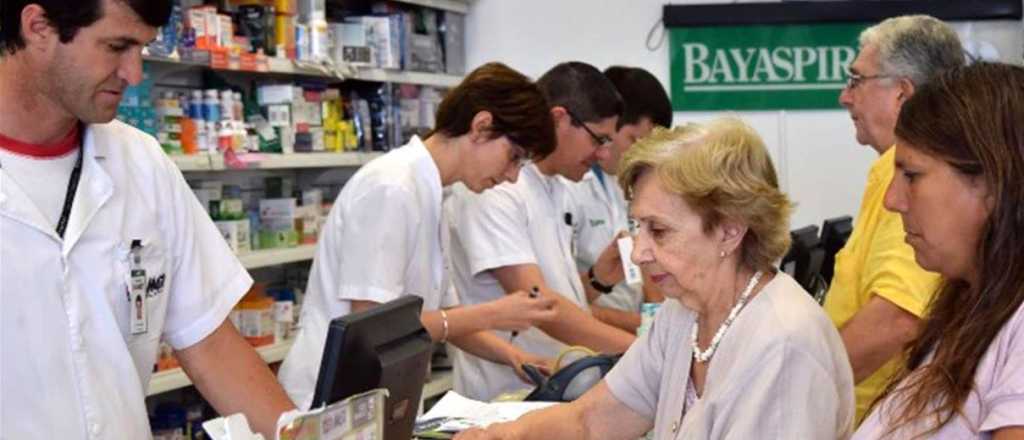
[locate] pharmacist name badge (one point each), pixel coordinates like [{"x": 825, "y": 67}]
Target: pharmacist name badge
[{"x": 137, "y": 292}]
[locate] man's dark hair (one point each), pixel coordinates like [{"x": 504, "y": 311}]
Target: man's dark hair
[
  {"x": 67, "y": 17},
  {"x": 581, "y": 89},
  {"x": 642, "y": 94}
]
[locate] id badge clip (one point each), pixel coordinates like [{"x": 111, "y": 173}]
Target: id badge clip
[{"x": 137, "y": 289}]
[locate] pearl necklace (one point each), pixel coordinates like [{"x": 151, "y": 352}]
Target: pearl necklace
[{"x": 704, "y": 356}]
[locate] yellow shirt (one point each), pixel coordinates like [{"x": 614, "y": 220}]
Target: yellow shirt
[{"x": 877, "y": 260}]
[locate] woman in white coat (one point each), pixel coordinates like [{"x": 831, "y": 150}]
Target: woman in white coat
[
  {"x": 738, "y": 350},
  {"x": 384, "y": 237}
]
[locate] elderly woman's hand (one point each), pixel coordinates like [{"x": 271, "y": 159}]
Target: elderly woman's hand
[{"x": 477, "y": 434}]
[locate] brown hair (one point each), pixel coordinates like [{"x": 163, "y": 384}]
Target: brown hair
[
  {"x": 970, "y": 117},
  {"x": 518, "y": 108},
  {"x": 721, "y": 169}
]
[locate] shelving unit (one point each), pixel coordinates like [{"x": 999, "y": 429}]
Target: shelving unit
[
  {"x": 284, "y": 70},
  {"x": 460, "y": 6},
  {"x": 273, "y": 257},
  {"x": 279, "y": 66},
  {"x": 440, "y": 382},
  {"x": 264, "y": 161},
  {"x": 175, "y": 378},
  {"x": 161, "y": 382}
]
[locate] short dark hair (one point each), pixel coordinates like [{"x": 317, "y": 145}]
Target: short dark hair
[
  {"x": 67, "y": 17},
  {"x": 518, "y": 108},
  {"x": 583, "y": 90},
  {"x": 642, "y": 95}
]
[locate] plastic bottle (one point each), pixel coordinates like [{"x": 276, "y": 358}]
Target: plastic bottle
[
  {"x": 227, "y": 108},
  {"x": 211, "y": 106},
  {"x": 284, "y": 318},
  {"x": 256, "y": 314},
  {"x": 189, "y": 139},
  {"x": 195, "y": 104},
  {"x": 238, "y": 108}
]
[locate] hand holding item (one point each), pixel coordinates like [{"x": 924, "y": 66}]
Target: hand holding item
[{"x": 520, "y": 311}]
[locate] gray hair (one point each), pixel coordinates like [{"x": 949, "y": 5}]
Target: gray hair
[{"x": 917, "y": 47}]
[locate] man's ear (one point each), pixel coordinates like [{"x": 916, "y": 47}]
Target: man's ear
[
  {"x": 907, "y": 89},
  {"x": 560, "y": 115},
  {"x": 36, "y": 29}
]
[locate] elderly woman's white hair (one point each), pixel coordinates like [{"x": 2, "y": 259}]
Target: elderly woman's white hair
[{"x": 721, "y": 169}]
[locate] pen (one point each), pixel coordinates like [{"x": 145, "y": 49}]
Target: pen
[{"x": 534, "y": 293}]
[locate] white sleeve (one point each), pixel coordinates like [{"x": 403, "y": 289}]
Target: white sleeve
[
  {"x": 636, "y": 378},
  {"x": 493, "y": 227},
  {"x": 1004, "y": 398},
  {"x": 374, "y": 240},
  {"x": 207, "y": 280}
]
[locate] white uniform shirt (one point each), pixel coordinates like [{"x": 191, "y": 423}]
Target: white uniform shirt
[
  {"x": 512, "y": 224},
  {"x": 383, "y": 239},
  {"x": 71, "y": 367},
  {"x": 780, "y": 372},
  {"x": 600, "y": 213}
]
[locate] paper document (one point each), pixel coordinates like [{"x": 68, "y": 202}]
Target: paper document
[
  {"x": 360, "y": 417},
  {"x": 454, "y": 413}
]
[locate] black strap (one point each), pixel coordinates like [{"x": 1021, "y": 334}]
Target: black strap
[{"x": 69, "y": 197}]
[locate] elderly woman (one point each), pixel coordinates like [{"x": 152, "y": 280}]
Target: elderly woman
[
  {"x": 740, "y": 350},
  {"x": 960, "y": 145}
]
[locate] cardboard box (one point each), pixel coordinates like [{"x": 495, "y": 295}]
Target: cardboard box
[
  {"x": 279, "y": 115},
  {"x": 236, "y": 234},
  {"x": 277, "y": 94}
]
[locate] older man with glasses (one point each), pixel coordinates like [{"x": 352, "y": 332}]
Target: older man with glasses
[
  {"x": 520, "y": 237},
  {"x": 879, "y": 293}
]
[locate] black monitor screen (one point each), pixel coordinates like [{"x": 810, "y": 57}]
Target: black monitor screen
[{"x": 383, "y": 347}]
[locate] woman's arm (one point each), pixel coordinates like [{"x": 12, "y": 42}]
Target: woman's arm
[{"x": 597, "y": 415}]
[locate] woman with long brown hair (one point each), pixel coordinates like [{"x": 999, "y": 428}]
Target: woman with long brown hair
[{"x": 959, "y": 188}]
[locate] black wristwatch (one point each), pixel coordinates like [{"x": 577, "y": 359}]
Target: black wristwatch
[{"x": 597, "y": 284}]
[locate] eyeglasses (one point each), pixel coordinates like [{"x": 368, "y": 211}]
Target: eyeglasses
[
  {"x": 602, "y": 141},
  {"x": 855, "y": 79}
]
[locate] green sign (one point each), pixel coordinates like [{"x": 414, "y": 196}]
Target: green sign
[{"x": 768, "y": 67}]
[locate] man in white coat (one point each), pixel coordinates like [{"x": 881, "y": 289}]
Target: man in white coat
[
  {"x": 94, "y": 219},
  {"x": 600, "y": 204},
  {"x": 518, "y": 236}
]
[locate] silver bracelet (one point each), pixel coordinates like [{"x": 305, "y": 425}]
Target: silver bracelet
[{"x": 444, "y": 321}]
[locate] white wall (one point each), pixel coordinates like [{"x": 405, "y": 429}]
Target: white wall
[{"x": 819, "y": 161}]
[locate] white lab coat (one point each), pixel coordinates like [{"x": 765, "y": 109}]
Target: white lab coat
[
  {"x": 512, "y": 224},
  {"x": 601, "y": 212},
  {"x": 71, "y": 367},
  {"x": 383, "y": 240}
]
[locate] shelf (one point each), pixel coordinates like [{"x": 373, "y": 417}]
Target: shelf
[
  {"x": 272, "y": 257},
  {"x": 265, "y": 161},
  {"x": 173, "y": 379},
  {"x": 280, "y": 66},
  {"x": 195, "y": 162},
  {"x": 460, "y": 6},
  {"x": 440, "y": 382},
  {"x": 407, "y": 77}
]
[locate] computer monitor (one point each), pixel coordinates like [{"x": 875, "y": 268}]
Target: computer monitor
[
  {"x": 834, "y": 234},
  {"x": 383, "y": 347},
  {"x": 803, "y": 261}
]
